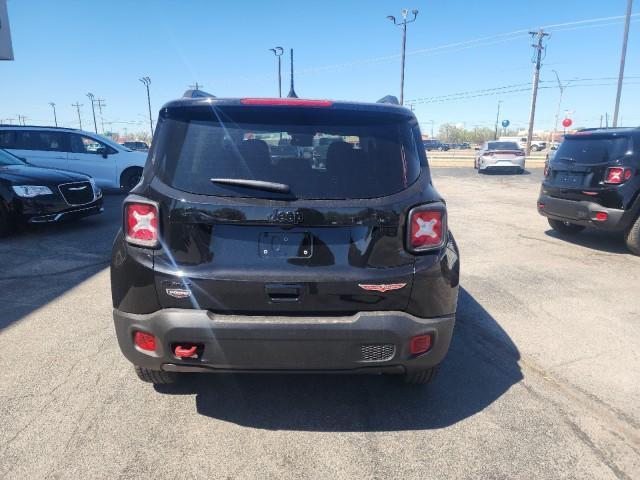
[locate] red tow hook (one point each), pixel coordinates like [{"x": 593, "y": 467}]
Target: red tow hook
[{"x": 182, "y": 352}]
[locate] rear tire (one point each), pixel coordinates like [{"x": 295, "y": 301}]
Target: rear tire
[
  {"x": 566, "y": 228},
  {"x": 157, "y": 377},
  {"x": 632, "y": 237},
  {"x": 421, "y": 377},
  {"x": 130, "y": 178}
]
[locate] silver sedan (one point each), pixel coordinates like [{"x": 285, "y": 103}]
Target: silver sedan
[{"x": 500, "y": 156}]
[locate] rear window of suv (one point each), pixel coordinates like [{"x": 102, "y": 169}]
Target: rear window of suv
[
  {"x": 318, "y": 153},
  {"x": 596, "y": 149}
]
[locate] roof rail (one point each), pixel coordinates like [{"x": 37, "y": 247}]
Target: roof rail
[
  {"x": 390, "y": 99},
  {"x": 36, "y": 126},
  {"x": 197, "y": 94}
]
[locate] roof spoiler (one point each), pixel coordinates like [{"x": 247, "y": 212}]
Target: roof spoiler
[
  {"x": 197, "y": 94},
  {"x": 390, "y": 99}
]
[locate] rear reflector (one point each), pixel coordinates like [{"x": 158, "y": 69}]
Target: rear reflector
[
  {"x": 286, "y": 102},
  {"x": 601, "y": 216},
  {"x": 617, "y": 175},
  {"x": 540, "y": 205},
  {"x": 145, "y": 341},
  {"x": 427, "y": 228},
  {"x": 141, "y": 224},
  {"x": 420, "y": 344}
]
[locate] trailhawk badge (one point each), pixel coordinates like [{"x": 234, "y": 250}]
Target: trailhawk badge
[
  {"x": 178, "y": 292},
  {"x": 383, "y": 287}
]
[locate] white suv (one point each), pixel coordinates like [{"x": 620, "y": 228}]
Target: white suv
[{"x": 111, "y": 165}]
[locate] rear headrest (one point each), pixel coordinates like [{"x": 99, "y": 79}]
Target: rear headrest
[
  {"x": 337, "y": 154},
  {"x": 254, "y": 148}
]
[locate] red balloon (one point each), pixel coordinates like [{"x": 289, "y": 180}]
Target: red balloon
[{"x": 566, "y": 122}]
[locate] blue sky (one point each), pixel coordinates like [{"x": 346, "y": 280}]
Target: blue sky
[{"x": 343, "y": 49}]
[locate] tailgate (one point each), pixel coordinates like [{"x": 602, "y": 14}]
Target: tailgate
[{"x": 246, "y": 260}]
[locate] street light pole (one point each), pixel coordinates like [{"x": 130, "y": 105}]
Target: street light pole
[
  {"x": 561, "y": 88},
  {"x": 625, "y": 38},
  {"x": 403, "y": 25},
  {"x": 495, "y": 133},
  {"x": 91, "y": 96},
  {"x": 278, "y": 51},
  {"x": 55, "y": 118},
  {"x": 146, "y": 81}
]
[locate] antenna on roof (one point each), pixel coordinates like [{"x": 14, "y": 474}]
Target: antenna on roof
[{"x": 292, "y": 92}]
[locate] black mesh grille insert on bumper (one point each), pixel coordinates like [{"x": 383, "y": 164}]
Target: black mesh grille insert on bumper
[
  {"x": 78, "y": 193},
  {"x": 377, "y": 353}
]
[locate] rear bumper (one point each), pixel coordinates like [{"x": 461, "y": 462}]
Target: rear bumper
[
  {"x": 71, "y": 214},
  {"x": 369, "y": 342},
  {"x": 497, "y": 164},
  {"x": 583, "y": 213}
]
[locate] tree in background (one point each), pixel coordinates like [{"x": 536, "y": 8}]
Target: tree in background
[{"x": 451, "y": 133}]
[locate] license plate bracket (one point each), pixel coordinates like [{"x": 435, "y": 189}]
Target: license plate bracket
[
  {"x": 285, "y": 244},
  {"x": 570, "y": 179}
]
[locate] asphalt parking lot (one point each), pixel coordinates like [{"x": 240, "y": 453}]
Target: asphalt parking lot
[{"x": 542, "y": 380}]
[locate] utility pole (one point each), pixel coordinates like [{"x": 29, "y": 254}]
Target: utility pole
[
  {"x": 403, "y": 25},
  {"x": 55, "y": 118},
  {"x": 431, "y": 121},
  {"x": 606, "y": 119},
  {"x": 91, "y": 96},
  {"x": 146, "y": 81},
  {"x": 495, "y": 133},
  {"x": 101, "y": 104},
  {"x": 78, "y": 105},
  {"x": 538, "y": 48},
  {"x": 197, "y": 86},
  {"x": 600, "y": 121},
  {"x": 561, "y": 88},
  {"x": 278, "y": 51},
  {"x": 292, "y": 92},
  {"x": 21, "y": 120},
  {"x": 625, "y": 38}
]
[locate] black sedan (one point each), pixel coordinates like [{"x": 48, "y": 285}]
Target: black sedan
[{"x": 31, "y": 194}]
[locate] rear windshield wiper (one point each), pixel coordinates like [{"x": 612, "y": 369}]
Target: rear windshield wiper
[{"x": 257, "y": 184}]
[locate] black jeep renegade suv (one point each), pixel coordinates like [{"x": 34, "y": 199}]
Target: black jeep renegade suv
[
  {"x": 233, "y": 259},
  {"x": 594, "y": 181}
]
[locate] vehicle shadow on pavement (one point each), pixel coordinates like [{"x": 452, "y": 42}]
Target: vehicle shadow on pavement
[
  {"x": 594, "y": 240},
  {"x": 481, "y": 366},
  {"x": 40, "y": 263}
]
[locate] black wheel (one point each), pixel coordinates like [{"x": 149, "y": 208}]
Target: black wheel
[
  {"x": 130, "y": 178},
  {"x": 632, "y": 237},
  {"x": 421, "y": 377},
  {"x": 566, "y": 228},
  {"x": 5, "y": 226},
  {"x": 157, "y": 377}
]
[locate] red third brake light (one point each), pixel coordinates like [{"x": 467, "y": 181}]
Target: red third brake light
[
  {"x": 617, "y": 175},
  {"x": 427, "y": 228},
  {"x": 300, "y": 102},
  {"x": 141, "y": 224}
]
